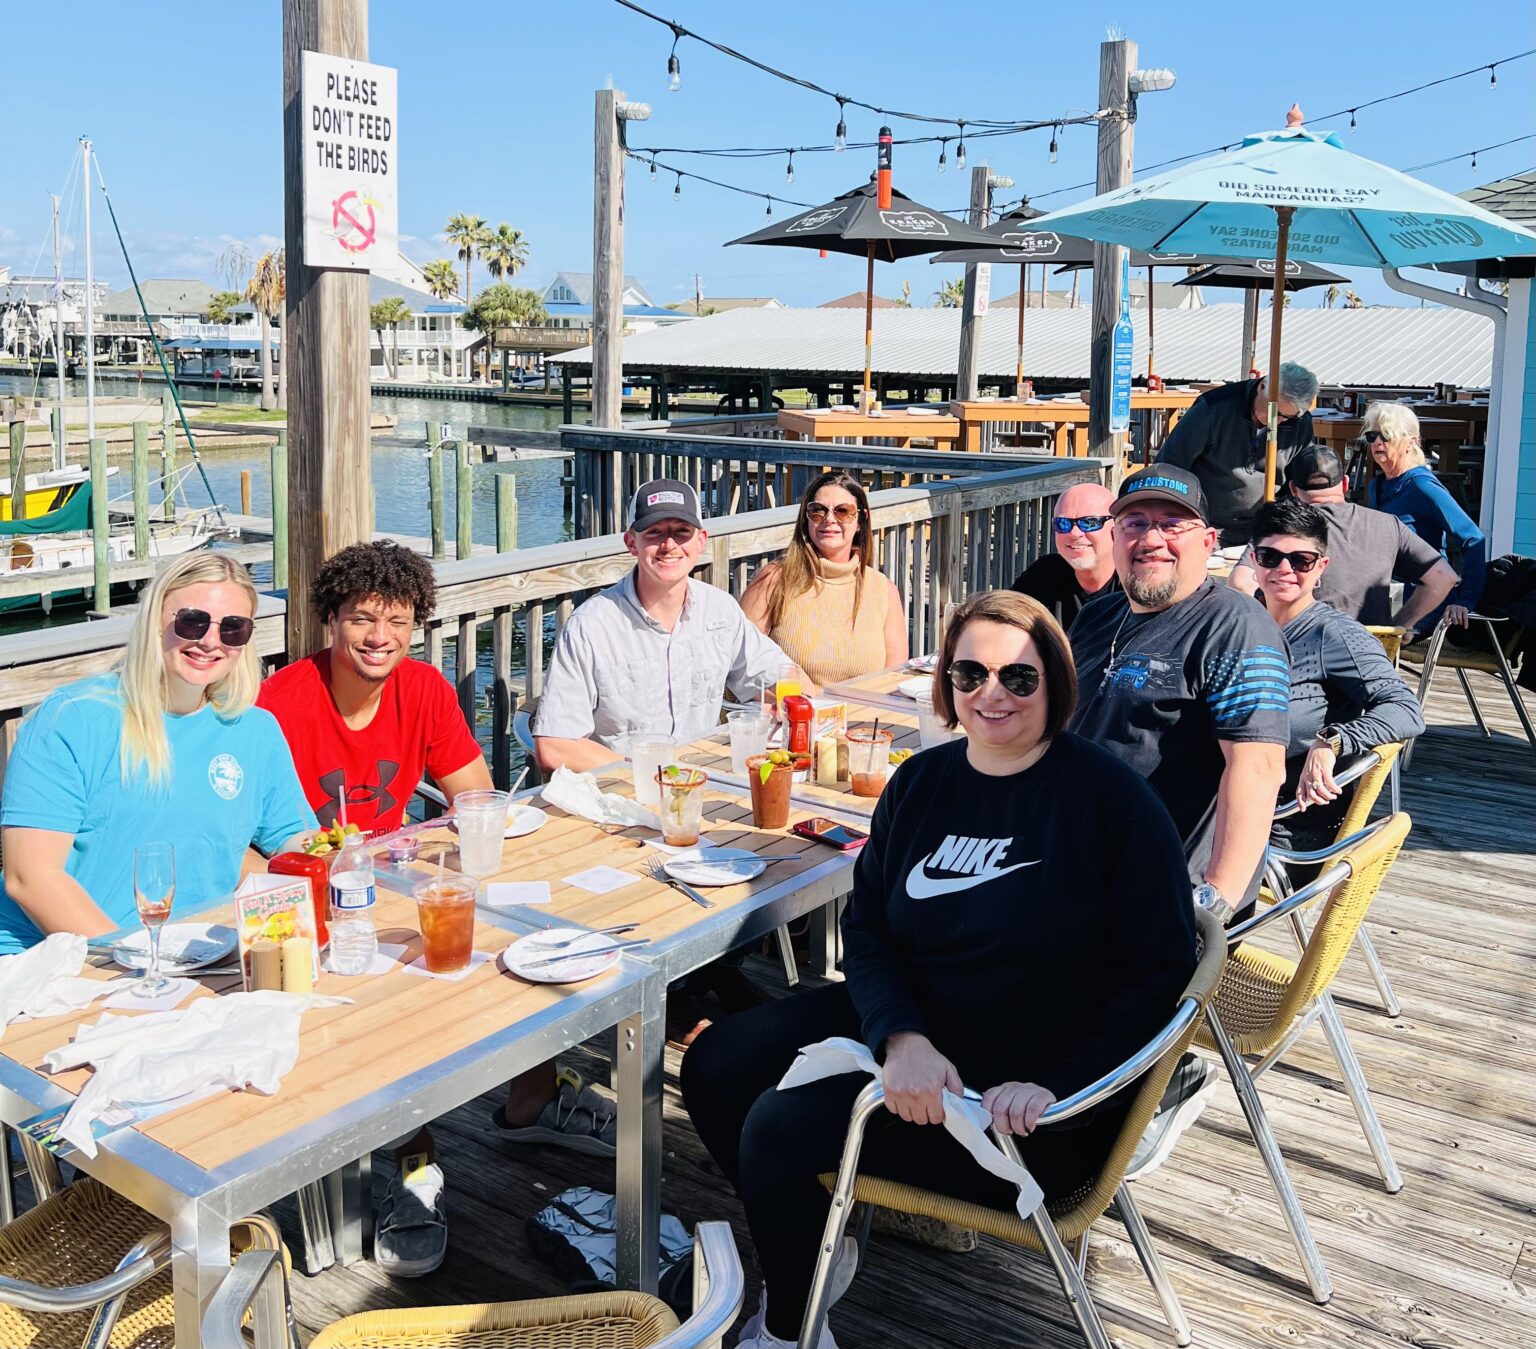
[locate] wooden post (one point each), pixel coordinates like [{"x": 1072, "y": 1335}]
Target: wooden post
[
  {"x": 280, "y": 512},
  {"x": 1250, "y": 322},
  {"x": 978, "y": 282},
  {"x": 1116, "y": 138},
  {"x": 464, "y": 501},
  {"x": 607, "y": 261},
  {"x": 325, "y": 336},
  {"x": 168, "y": 456},
  {"x": 18, "y": 445},
  {"x": 567, "y": 403},
  {"x": 1283, "y": 216},
  {"x": 245, "y": 491},
  {"x": 140, "y": 490},
  {"x": 101, "y": 575},
  {"x": 506, "y": 512},
  {"x": 435, "y": 493}
]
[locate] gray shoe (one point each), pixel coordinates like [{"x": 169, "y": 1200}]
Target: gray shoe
[
  {"x": 412, "y": 1234},
  {"x": 1185, "y": 1097},
  {"x": 578, "y": 1119}
]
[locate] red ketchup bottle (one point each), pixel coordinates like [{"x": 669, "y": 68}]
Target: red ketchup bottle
[
  {"x": 318, "y": 870},
  {"x": 799, "y": 713}
]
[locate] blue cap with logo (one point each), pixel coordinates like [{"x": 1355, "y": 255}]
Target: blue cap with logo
[{"x": 1162, "y": 482}]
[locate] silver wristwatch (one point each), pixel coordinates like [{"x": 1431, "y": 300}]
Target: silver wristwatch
[{"x": 1207, "y": 896}]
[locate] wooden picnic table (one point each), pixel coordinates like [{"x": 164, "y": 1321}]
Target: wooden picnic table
[
  {"x": 1065, "y": 418},
  {"x": 845, "y": 424},
  {"x": 408, "y": 1049}
]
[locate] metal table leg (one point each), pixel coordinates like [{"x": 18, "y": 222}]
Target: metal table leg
[
  {"x": 349, "y": 1197},
  {"x": 199, "y": 1263},
  {"x": 641, "y": 1040},
  {"x": 825, "y": 940}
]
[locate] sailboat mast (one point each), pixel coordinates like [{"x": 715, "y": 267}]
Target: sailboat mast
[
  {"x": 90, "y": 295},
  {"x": 58, "y": 333}
]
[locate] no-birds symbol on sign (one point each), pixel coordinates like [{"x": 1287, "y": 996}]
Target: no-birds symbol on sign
[{"x": 353, "y": 222}]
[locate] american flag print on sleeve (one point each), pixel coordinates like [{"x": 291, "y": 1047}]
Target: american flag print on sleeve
[{"x": 1248, "y": 693}]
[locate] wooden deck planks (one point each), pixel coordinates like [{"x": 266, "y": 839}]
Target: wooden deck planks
[{"x": 1446, "y": 1263}]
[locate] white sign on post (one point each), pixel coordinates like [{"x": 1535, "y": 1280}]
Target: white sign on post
[{"x": 351, "y": 197}]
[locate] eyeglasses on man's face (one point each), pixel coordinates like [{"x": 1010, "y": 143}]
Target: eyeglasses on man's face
[{"x": 1175, "y": 527}]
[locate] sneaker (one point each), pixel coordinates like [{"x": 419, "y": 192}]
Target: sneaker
[
  {"x": 755, "y": 1334},
  {"x": 411, "y": 1238},
  {"x": 1189, "y": 1088},
  {"x": 578, "y": 1119}
]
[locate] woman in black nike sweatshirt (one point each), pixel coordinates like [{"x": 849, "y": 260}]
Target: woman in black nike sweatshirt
[{"x": 1021, "y": 922}]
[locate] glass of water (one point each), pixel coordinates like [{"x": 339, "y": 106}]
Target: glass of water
[
  {"x": 648, "y": 753},
  {"x": 154, "y": 889},
  {"x": 481, "y": 819},
  {"x": 749, "y": 735},
  {"x": 931, "y": 730}
]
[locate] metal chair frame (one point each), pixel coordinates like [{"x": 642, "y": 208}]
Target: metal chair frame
[
  {"x": 1475, "y": 660},
  {"x": 718, "y": 1288},
  {"x": 1321, "y": 1009},
  {"x": 1070, "y": 1265}
]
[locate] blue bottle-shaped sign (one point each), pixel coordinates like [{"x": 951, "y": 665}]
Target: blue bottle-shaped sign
[{"x": 1120, "y": 364}]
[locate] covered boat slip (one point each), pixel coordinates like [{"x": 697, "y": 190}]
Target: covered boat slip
[{"x": 1448, "y": 1262}]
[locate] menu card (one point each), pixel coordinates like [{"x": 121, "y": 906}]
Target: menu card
[{"x": 279, "y": 910}]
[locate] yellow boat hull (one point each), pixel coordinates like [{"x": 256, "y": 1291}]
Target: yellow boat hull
[{"x": 41, "y": 500}]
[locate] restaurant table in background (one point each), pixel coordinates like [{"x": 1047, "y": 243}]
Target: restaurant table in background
[
  {"x": 408, "y": 1049},
  {"x": 1443, "y": 435},
  {"x": 1065, "y": 419},
  {"x": 846, "y": 424}
]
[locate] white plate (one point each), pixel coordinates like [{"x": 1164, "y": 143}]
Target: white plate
[
  {"x": 921, "y": 687},
  {"x": 715, "y": 866},
  {"x": 536, "y": 946},
  {"x": 927, "y": 664},
  {"x": 1215, "y": 562},
  {"x": 183, "y": 947},
  {"x": 522, "y": 819},
  {"x": 1233, "y": 554}
]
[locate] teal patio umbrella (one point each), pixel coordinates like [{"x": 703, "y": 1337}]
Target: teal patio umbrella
[{"x": 1291, "y": 193}]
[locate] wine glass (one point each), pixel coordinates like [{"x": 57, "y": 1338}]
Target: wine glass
[{"x": 154, "y": 887}]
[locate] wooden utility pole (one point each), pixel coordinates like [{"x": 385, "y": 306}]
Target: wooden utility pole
[
  {"x": 1116, "y": 136},
  {"x": 325, "y": 345},
  {"x": 978, "y": 282},
  {"x": 608, "y": 261}
]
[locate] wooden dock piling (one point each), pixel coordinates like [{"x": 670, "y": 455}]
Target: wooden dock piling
[
  {"x": 506, "y": 512},
  {"x": 168, "y": 454},
  {"x": 140, "y": 490},
  {"x": 18, "y": 438},
  {"x": 245, "y": 491},
  {"x": 464, "y": 500},
  {"x": 280, "y": 512},
  {"x": 435, "y": 493}
]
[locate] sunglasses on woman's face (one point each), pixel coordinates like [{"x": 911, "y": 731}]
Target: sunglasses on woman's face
[
  {"x": 1270, "y": 558},
  {"x": 966, "y": 676},
  {"x": 1371, "y": 437},
  {"x": 844, "y": 513},
  {"x": 1089, "y": 524},
  {"x": 191, "y": 625}
]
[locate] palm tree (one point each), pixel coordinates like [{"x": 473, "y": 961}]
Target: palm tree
[
  {"x": 378, "y": 320},
  {"x": 441, "y": 278},
  {"x": 1353, "y": 301},
  {"x": 390, "y": 313},
  {"x": 1330, "y": 297},
  {"x": 503, "y": 306},
  {"x": 266, "y": 290},
  {"x": 468, "y": 234},
  {"x": 505, "y": 253},
  {"x": 951, "y": 295},
  {"x": 221, "y": 306}
]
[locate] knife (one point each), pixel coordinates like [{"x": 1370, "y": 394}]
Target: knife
[{"x": 590, "y": 951}]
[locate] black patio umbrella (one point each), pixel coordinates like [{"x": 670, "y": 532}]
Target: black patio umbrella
[{"x": 854, "y": 223}]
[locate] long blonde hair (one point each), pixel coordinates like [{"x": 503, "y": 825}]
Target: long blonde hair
[
  {"x": 800, "y": 567},
  {"x": 141, "y": 671}
]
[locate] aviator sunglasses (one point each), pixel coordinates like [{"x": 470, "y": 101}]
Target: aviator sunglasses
[
  {"x": 192, "y": 624},
  {"x": 1270, "y": 558},
  {"x": 842, "y": 512},
  {"x": 1089, "y": 524},
  {"x": 966, "y": 676}
]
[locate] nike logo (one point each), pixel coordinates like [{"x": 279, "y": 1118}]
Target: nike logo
[{"x": 978, "y": 859}]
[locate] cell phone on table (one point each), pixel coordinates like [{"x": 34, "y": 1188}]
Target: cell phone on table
[{"x": 834, "y": 835}]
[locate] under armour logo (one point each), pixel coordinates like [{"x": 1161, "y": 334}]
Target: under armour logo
[{"x": 376, "y": 794}]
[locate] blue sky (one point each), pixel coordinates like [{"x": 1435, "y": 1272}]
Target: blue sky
[{"x": 496, "y": 115}]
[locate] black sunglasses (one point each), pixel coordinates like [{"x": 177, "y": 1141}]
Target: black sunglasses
[
  {"x": 1270, "y": 558},
  {"x": 1371, "y": 437},
  {"x": 192, "y": 624},
  {"x": 1089, "y": 524},
  {"x": 966, "y": 676}
]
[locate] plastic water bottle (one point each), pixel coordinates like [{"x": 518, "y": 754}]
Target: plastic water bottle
[{"x": 354, "y": 942}]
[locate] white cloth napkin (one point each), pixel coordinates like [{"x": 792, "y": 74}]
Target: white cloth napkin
[
  {"x": 241, "y": 1040},
  {"x": 966, "y": 1122},
  {"x": 579, "y": 794},
  {"x": 44, "y": 980}
]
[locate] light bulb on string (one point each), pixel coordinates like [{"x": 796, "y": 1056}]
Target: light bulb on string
[
  {"x": 1352, "y": 121},
  {"x": 1474, "y": 159},
  {"x": 678, "y": 190},
  {"x": 769, "y": 211},
  {"x": 1493, "y": 76},
  {"x": 674, "y": 66},
  {"x": 789, "y": 170},
  {"x": 653, "y": 168},
  {"x": 960, "y": 150},
  {"x": 1054, "y": 147},
  {"x": 840, "y": 141},
  {"x": 943, "y": 154}
]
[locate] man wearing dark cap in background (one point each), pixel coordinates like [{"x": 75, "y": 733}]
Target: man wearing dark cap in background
[
  {"x": 1223, "y": 440},
  {"x": 1367, "y": 549},
  {"x": 1189, "y": 683}
]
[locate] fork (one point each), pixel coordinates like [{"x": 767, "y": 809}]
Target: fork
[
  {"x": 655, "y": 868},
  {"x": 599, "y": 931}
]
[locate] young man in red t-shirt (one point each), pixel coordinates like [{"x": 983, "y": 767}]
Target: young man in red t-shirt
[{"x": 364, "y": 721}]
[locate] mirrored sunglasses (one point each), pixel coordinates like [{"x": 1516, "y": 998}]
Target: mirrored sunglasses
[
  {"x": 1089, "y": 524},
  {"x": 842, "y": 512},
  {"x": 192, "y": 625},
  {"x": 1270, "y": 558},
  {"x": 966, "y": 676}
]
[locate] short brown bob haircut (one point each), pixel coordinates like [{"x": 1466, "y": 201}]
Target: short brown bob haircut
[
  {"x": 1058, "y": 675},
  {"x": 389, "y": 570}
]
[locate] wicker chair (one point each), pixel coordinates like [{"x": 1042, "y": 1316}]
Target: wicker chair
[
  {"x": 1437, "y": 654},
  {"x": 87, "y": 1267},
  {"x": 598, "y": 1321},
  {"x": 1369, "y": 773},
  {"x": 1068, "y": 1221},
  {"x": 1267, "y": 1001}
]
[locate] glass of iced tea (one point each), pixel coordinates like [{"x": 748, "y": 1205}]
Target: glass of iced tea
[
  {"x": 445, "y": 907},
  {"x": 682, "y": 804},
  {"x": 154, "y": 889},
  {"x": 869, "y": 759}
]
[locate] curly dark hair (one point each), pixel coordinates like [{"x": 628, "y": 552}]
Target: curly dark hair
[{"x": 393, "y": 572}]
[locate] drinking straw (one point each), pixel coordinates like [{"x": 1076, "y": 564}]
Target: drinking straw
[
  {"x": 343, "y": 803},
  {"x": 442, "y": 852}
]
